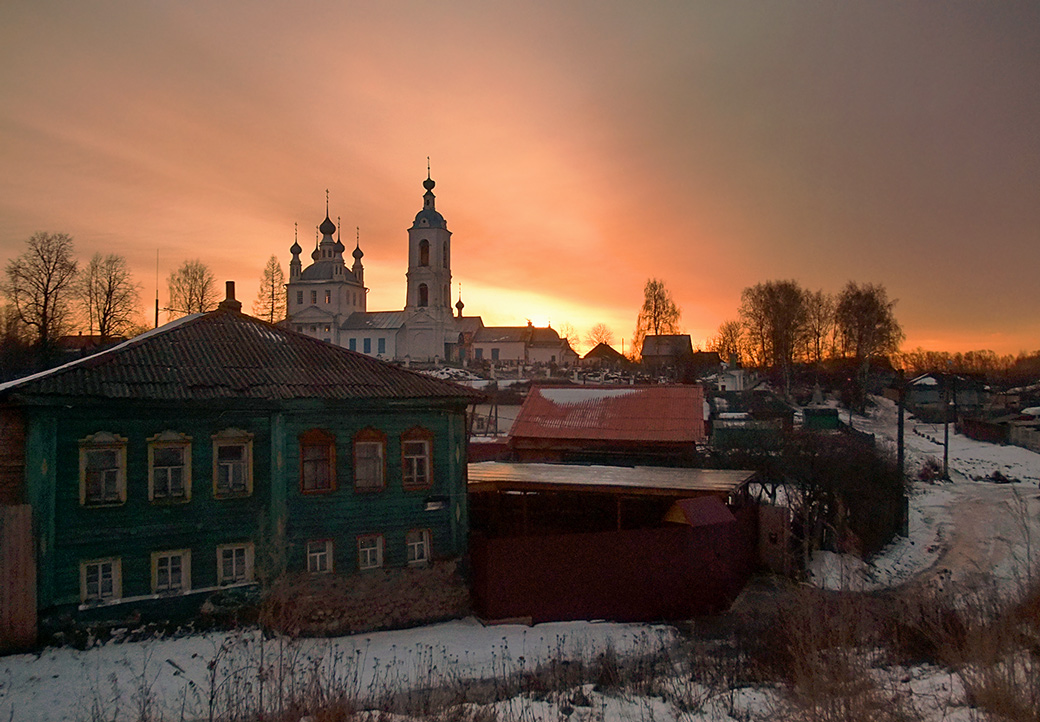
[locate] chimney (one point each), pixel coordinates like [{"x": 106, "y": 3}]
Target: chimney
[{"x": 230, "y": 302}]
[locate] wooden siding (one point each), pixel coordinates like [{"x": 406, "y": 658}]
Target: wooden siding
[
  {"x": 12, "y": 456},
  {"x": 72, "y": 533},
  {"x": 17, "y": 578}
]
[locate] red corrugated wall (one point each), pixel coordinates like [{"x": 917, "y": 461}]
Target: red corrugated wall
[
  {"x": 17, "y": 578},
  {"x": 672, "y": 572}
]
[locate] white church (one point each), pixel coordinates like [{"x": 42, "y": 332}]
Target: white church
[{"x": 328, "y": 301}]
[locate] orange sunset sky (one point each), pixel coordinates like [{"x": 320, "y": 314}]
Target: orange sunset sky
[{"x": 578, "y": 148}]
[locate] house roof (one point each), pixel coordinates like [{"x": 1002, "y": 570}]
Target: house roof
[
  {"x": 605, "y": 352},
  {"x": 616, "y": 413},
  {"x": 670, "y": 345},
  {"x": 485, "y": 476},
  {"x": 226, "y": 354},
  {"x": 545, "y": 337}
]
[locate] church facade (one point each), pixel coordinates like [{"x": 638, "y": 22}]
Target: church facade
[{"x": 328, "y": 299}]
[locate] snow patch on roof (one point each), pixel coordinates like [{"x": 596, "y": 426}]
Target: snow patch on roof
[{"x": 583, "y": 395}]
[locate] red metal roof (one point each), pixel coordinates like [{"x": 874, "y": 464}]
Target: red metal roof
[
  {"x": 613, "y": 413},
  {"x": 227, "y": 354}
]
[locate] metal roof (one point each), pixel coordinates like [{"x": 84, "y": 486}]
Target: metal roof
[
  {"x": 487, "y": 476},
  {"x": 226, "y": 354},
  {"x": 362, "y": 320},
  {"x": 669, "y": 414}
]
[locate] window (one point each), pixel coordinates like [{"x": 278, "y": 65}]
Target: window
[
  {"x": 171, "y": 572},
  {"x": 100, "y": 580},
  {"x": 478, "y": 353},
  {"x": 232, "y": 463},
  {"x": 444, "y": 255},
  {"x": 494, "y": 354},
  {"x": 370, "y": 551},
  {"x": 352, "y": 344},
  {"x": 234, "y": 563},
  {"x": 314, "y": 298},
  {"x": 424, "y": 295},
  {"x": 299, "y": 297},
  {"x": 369, "y": 460},
  {"x": 381, "y": 345},
  {"x": 319, "y": 556},
  {"x": 424, "y": 252},
  {"x": 417, "y": 544},
  {"x": 317, "y": 461},
  {"x": 102, "y": 469},
  {"x": 328, "y": 297},
  {"x": 328, "y": 328},
  {"x": 169, "y": 467},
  {"x": 368, "y": 345},
  {"x": 415, "y": 458}
]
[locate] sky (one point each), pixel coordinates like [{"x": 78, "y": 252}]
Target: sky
[{"x": 579, "y": 149}]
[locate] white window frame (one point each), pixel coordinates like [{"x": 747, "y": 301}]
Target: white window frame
[
  {"x": 370, "y": 551},
  {"x": 115, "y": 565},
  {"x": 164, "y": 557},
  {"x": 235, "y": 578},
  {"x": 366, "y": 464},
  {"x": 411, "y": 461},
  {"x": 230, "y": 438},
  {"x": 417, "y": 547},
  {"x": 170, "y": 440},
  {"x": 319, "y": 556},
  {"x": 103, "y": 441}
]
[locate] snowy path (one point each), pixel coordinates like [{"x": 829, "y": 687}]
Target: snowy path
[{"x": 967, "y": 530}]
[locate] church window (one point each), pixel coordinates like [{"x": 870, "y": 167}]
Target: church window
[
  {"x": 424, "y": 295},
  {"x": 444, "y": 255},
  {"x": 314, "y": 297},
  {"x": 328, "y": 296},
  {"x": 368, "y": 345},
  {"x": 352, "y": 344},
  {"x": 382, "y": 345},
  {"x": 299, "y": 297},
  {"x": 424, "y": 252}
]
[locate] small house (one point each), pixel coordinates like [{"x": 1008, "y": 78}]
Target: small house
[{"x": 219, "y": 451}]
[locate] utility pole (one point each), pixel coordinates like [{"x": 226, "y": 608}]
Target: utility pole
[{"x": 946, "y": 428}]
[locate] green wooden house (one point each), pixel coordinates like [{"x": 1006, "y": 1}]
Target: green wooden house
[{"x": 218, "y": 451}]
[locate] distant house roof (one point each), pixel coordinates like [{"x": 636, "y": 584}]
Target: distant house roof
[
  {"x": 226, "y": 354},
  {"x": 488, "y": 476},
  {"x": 375, "y": 320},
  {"x": 545, "y": 337},
  {"x": 604, "y": 352},
  {"x": 615, "y": 413},
  {"x": 672, "y": 346}
]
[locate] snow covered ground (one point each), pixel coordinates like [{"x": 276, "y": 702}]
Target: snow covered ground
[
  {"x": 965, "y": 530},
  {"x": 960, "y": 531}
]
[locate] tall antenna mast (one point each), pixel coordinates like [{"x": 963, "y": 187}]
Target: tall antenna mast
[{"x": 157, "y": 288}]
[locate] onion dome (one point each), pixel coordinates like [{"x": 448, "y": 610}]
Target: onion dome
[
  {"x": 315, "y": 254},
  {"x": 295, "y": 249},
  {"x": 459, "y": 305},
  {"x": 327, "y": 227},
  {"x": 358, "y": 253},
  {"x": 428, "y": 184},
  {"x": 339, "y": 247}
]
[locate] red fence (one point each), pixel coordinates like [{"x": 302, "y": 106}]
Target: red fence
[
  {"x": 17, "y": 578},
  {"x": 671, "y": 572}
]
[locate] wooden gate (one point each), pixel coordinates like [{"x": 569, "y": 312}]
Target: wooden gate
[{"x": 17, "y": 578}]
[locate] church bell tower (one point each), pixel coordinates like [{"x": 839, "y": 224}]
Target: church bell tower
[{"x": 429, "y": 260}]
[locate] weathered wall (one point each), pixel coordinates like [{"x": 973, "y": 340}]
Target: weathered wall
[
  {"x": 637, "y": 575},
  {"x": 17, "y": 578},
  {"x": 334, "y": 604}
]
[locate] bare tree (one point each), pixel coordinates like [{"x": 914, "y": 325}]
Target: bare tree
[
  {"x": 774, "y": 317},
  {"x": 819, "y": 324},
  {"x": 109, "y": 295},
  {"x": 38, "y": 284},
  {"x": 867, "y": 325},
  {"x": 270, "y": 299},
  {"x": 659, "y": 314},
  {"x": 728, "y": 341},
  {"x": 600, "y": 333},
  {"x": 192, "y": 289}
]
